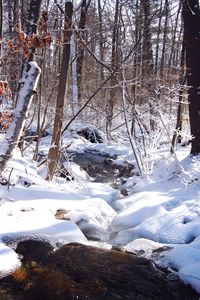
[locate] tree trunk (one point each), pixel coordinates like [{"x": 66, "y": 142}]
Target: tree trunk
[
  {"x": 147, "y": 51},
  {"x": 101, "y": 42},
  {"x": 191, "y": 18},
  {"x": 158, "y": 38},
  {"x": 147, "y": 63},
  {"x": 172, "y": 50},
  {"x": 17, "y": 14},
  {"x": 115, "y": 66},
  {"x": 84, "y": 8},
  {"x": 136, "y": 61},
  {"x": 1, "y": 25},
  {"x": 53, "y": 154},
  {"x": 16, "y": 68},
  {"x": 74, "y": 75},
  {"x": 162, "y": 63},
  {"x": 10, "y": 25},
  {"x": 182, "y": 78}
]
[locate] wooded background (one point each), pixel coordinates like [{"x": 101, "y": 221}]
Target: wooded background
[{"x": 112, "y": 64}]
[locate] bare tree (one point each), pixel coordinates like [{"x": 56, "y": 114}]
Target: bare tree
[
  {"x": 115, "y": 66},
  {"x": 162, "y": 63},
  {"x": 81, "y": 27},
  {"x": 182, "y": 78},
  {"x": 53, "y": 154}
]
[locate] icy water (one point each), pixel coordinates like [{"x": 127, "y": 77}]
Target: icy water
[{"x": 103, "y": 168}]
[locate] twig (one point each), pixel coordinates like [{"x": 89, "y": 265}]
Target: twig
[{"x": 9, "y": 179}]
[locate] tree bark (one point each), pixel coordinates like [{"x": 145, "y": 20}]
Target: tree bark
[
  {"x": 162, "y": 63},
  {"x": 53, "y": 154},
  {"x": 148, "y": 63},
  {"x": 101, "y": 42},
  {"x": 17, "y": 14},
  {"x": 158, "y": 38},
  {"x": 172, "y": 50},
  {"x": 75, "y": 103},
  {"x": 191, "y": 18},
  {"x": 83, "y": 16},
  {"x": 1, "y": 25},
  {"x": 10, "y": 25},
  {"x": 137, "y": 61},
  {"x": 182, "y": 79},
  {"x": 147, "y": 51},
  {"x": 115, "y": 66}
]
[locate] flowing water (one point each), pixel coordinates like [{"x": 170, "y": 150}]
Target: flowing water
[{"x": 103, "y": 168}]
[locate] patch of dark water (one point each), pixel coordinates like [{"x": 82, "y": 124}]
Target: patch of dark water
[{"x": 102, "y": 168}]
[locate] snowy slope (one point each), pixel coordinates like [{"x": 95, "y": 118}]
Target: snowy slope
[{"x": 165, "y": 210}]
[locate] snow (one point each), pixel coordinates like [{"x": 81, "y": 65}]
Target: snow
[
  {"x": 161, "y": 210},
  {"x": 186, "y": 259},
  {"x": 142, "y": 245},
  {"x": 8, "y": 259}
]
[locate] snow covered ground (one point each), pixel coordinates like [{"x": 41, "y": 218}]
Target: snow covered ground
[{"x": 162, "y": 209}]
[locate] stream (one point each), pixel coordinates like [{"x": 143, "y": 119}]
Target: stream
[
  {"x": 76, "y": 271},
  {"x": 103, "y": 168}
]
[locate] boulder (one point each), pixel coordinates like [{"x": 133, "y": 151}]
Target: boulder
[
  {"x": 91, "y": 134},
  {"x": 77, "y": 271}
]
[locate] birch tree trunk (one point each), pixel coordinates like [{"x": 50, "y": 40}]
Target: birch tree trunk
[
  {"x": 53, "y": 154},
  {"x": 27, "y": 89}
]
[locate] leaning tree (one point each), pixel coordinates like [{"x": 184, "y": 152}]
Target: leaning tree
[{"x": 27, "y": 88}]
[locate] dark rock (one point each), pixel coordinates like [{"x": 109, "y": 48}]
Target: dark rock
[
  {"x": 82, "y": 272},
  {"x": 34, "y": 250},
  {"x": 31, "y": 135},
  {"x": 64, "y": 173},
  {"x": 92, "y": 135},
  {"x": 124, "y": 192},
  {"x": 61, "y": 214},
  {"x": 25, "y": 181}
]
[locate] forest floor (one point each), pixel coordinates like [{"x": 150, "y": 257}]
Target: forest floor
[{"x": 157, "y": 216}]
